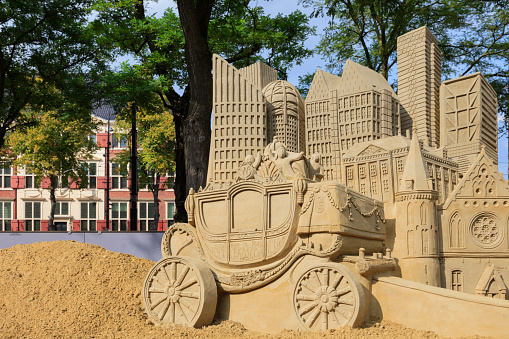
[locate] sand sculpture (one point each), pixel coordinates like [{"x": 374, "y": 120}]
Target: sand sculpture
[{"x": 309, "y": 203}]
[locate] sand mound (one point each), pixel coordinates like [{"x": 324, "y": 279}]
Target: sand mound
[{"x": 70, "y": 289}]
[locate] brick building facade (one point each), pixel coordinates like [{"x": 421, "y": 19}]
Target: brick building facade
[{"x": 25, "y": 203}]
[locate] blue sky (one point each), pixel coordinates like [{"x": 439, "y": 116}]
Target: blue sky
[{"x": 311, "y": 64}]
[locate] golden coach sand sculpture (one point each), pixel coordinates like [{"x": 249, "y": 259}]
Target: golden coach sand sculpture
[{"x": 354, "y": 203}]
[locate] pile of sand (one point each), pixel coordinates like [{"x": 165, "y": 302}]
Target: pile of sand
[{"x": 70, "y": 289}]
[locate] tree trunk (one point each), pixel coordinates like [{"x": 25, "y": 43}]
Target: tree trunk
[
  {"x": 179, "y": 186},
  {"x": 53, "y": 184},
  {"x": 155, "y": 193},
  {"x": 195, "y": 21}
]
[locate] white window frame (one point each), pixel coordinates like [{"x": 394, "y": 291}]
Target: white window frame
[
  {"x": 116, "y": 216},
  {"x": 5, "y": 178},
  {"x": 58, "y": 208},
  {"x": 6, "y": 216},
  {"x": 34, "y": 218},
  {"x": 169, "y": 216},
  {"x": 92, "y": 178},
  {"x": 88, "y": 222},
  {"x": 117, "y": 180},
  {"x": 144, "y": 216}
]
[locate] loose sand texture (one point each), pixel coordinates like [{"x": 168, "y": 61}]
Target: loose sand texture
[{"x": 67, "y": 289}]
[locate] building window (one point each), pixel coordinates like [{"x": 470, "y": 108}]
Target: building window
[
  {"x": 147, "y": 222},
  {"x": 31, "y": 181},
  {"x": 372, "y": 170},
  {"x": 118, "y": 142},
  {"x": 5, "y": 216},
  {"x": 170, "y": 211},
  {"x": 386, "y": 185},
  {"x": 91, "y": 171},
  {"x": 5, "y": 177},
  {"x": 117, "y": 180},
  {"x": 88, "y": 216},
  {"x": 362, "y": 171},
  {"x": 119, "y": 216},
  {"x": 457, "y": 281},
  {"x": 63, "y": 182},
  {"x": 373, "y": 187},
  {"x": 349, "y": 173},
  {"x": 33, "y": 216},
  {"x": 62, "y": 208},
  {"x": 399, "y": 164},
  {"x": 384, "y": 168}
]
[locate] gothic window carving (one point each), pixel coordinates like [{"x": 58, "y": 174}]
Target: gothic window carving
[{"x": 456, "y": 232}]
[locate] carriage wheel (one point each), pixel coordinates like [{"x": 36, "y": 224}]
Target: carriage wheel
[
  {"x": 328, "y": 296},
  {"x": 180, "y": 290}
]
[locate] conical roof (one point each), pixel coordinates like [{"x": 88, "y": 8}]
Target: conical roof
[{"x": 415, "y": 168}]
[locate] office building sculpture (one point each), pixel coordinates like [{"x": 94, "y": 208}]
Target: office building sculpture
[{"x": 320, "y": 213}]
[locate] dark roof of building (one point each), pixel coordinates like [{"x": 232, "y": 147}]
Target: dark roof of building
[{"x": 105, "y": 111}]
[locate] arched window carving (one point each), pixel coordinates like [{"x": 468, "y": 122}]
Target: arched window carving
[
  {"x": 424, "y": 214},
  {"x": 456, "y": 232}
]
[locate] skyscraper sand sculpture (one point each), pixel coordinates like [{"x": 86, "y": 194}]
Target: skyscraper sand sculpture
[{"x": 308, "y": 204}]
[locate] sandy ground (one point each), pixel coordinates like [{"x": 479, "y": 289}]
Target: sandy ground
[{"x": 67, "y": 289}]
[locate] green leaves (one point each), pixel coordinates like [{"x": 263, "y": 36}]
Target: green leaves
[{"x": 56, "y": 145}]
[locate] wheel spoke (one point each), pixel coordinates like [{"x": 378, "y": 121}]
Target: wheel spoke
[
  {"x": 325, "y": 277},
  {"x": 336, "y": 281},
  {"x": 154, "y": 305},
  {"x": 157, "y": 280},
  {"x": 346, "y": 302},
  {"x": 307, "y": 309},
  {"x": 156, "y": 290},
  {"x": 344, "y": 291},
  {"x": 164, "y": 310},
  {"x": 186, "y": 305},
  {"x": 306, "y": 297},
  {"x": 187, "y": 284},
  {"x": 335, "y": 314},
  {"x": 325, "y": 321},
  {"x": 182, "y": 311},
  {"x": 172, "y": 313},
  {"x": 166, "y": 273},
  {"x": 173, "y": 272},
  {"x": 182, "y": 276},
  {"x": 190, "y": 295},
  {"x": 317, "y": 278},
  {"x": 304, "y": 284},
  {"x": 312, "y": 317}
]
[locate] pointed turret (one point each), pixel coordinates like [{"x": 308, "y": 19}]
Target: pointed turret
[
  {"x": 415, "y": 176},
  {"x": 416, "y": 241}
]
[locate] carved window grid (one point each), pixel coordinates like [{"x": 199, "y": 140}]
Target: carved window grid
[
  {"x": 349, "y": 173},
  {"x": 372, "y": 170},
  {"x": 384, "y": 168},
  {"x": 362, "y": 172}
]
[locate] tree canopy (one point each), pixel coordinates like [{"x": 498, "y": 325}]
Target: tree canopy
[
  {"x": 176, "y": 50},
  {"x": 54, "y": 148},
  {"x": 46, "y": 45},
  {"x": 473, "y": 35}
]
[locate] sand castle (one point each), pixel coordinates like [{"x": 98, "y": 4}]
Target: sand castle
[{"x": 355, "y": 202}]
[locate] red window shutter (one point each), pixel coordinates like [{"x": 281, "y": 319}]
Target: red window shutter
[
  {"x": 101, "y": 225},
  {"x": 14, "y": 225},
  {"x": 44, "y": 225},
  {"x": 101, "y": 182},
  {"x": 74, "y": 184},
  {"x": 162, "y": 183},
  {"x": 14, "y": 181},
  {"x": 45, "y": 183},
  {"x": 102, "y": 139},
  {"x": 76, "y": 225},
  {"x": 21, "y": 182},
  {"x": 21, "y": 225}
]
